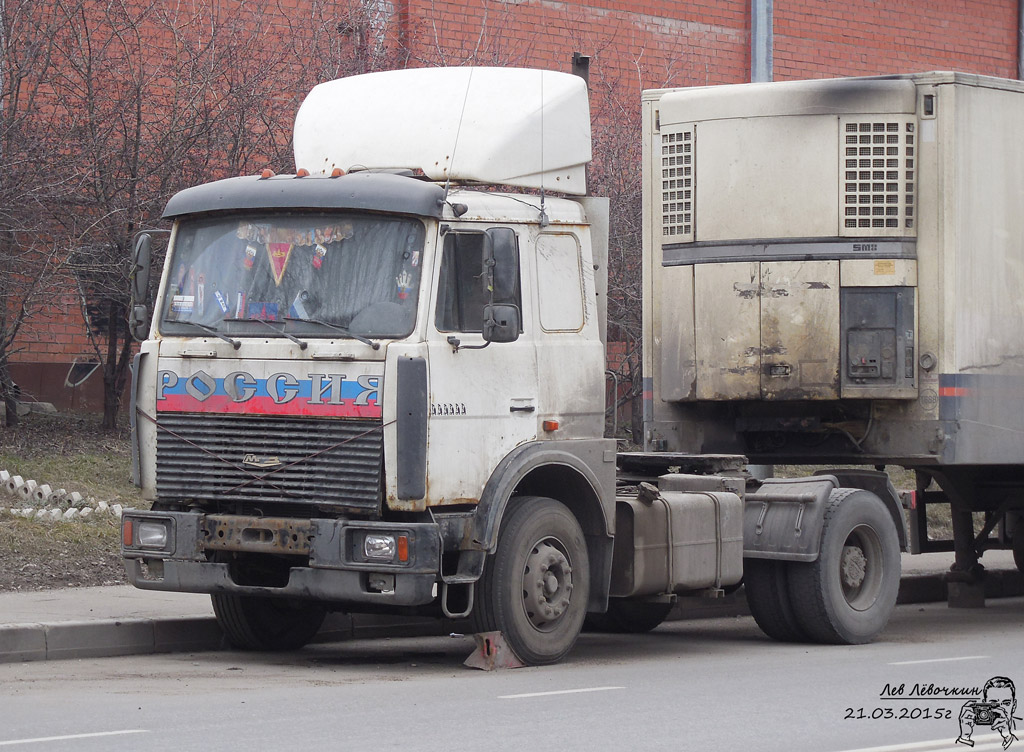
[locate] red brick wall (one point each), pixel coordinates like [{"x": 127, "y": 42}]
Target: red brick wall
[
  {"x": 634, "y": 45},
  {"x": 818, "y": 38}
]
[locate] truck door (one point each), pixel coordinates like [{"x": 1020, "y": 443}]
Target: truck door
[{"x": 483, "y": 399}]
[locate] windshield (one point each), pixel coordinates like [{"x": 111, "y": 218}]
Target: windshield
[{"x": 320, "y": 274}]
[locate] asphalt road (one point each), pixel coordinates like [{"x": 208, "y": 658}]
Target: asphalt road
[{"x": 710, "y": 684}]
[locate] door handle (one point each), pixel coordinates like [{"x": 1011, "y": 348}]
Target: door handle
[{"x": 522, "y": 405}]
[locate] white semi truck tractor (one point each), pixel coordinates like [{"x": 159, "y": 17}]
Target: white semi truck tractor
[{"x": 378, "y": 384}]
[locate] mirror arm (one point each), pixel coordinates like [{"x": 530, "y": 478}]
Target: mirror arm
[{"x": 457, "y": 345}]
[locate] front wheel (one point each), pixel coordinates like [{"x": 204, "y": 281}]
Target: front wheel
[
  {"x": 534, "y": 588},
  {"x": 255, "y": 623},
  {"x": 847, "y": 595}
]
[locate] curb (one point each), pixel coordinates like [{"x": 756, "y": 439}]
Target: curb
[
  {"x": 113, "y": 637},
  {"x": 102, "y": 638}
]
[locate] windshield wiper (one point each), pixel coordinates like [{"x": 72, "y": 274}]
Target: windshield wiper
[
  {"x": 212, "y": 330},
  {"x": 302, "y": 345},
  {"x": 335, "y": 327}
]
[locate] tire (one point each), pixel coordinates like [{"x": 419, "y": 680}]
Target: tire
[
  {"x": 255, "y": 623},
  {"x": 847, "y": 595},
  {"x": 766, "y": 582},
  {"x": 626, "y": 616},
  {"x": 534, "y": 588}
]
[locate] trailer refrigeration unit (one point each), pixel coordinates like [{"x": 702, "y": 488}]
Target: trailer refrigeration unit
[
  {"x": 378, "y": 384},
  {"x": 833, "y": 275}
]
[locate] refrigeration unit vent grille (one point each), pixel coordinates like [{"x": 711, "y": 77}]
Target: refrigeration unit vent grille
[
  {"x": 878, "y": 173},
  {"x": 677, "y": 184}
]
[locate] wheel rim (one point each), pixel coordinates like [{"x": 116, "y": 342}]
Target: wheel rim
[
  {"x": 860, "y": 568},
  {"x": 547, "y": 584}
]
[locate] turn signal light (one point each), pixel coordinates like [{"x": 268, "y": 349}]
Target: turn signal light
[
  {"x": 127, "y": 533},
  {"x": 403, "y": 548},
  {"x": 550, "y": 425}
]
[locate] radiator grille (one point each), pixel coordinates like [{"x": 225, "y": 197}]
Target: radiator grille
[
  {"x": 337, "y": 463},
  {"x": 877, "y": 165},
  {"x": 677, "y": 162}
]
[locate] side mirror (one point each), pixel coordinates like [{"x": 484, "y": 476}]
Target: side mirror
[
  {"x": 139, "y": 318},
  {"x": 501, "y": 323},
  {"x": 501, "y": 257}
]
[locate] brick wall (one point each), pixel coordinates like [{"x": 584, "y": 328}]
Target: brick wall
[
  {"x": 634, "y": 45},
  {"x": 818, "y": 38}
]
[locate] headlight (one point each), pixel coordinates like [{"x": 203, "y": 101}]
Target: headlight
[
  {"x": 379, "y": 547},
  {"x": 152, "y": 534}
]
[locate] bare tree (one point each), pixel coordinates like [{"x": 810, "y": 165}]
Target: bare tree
[{"x": 30, "y": 170}]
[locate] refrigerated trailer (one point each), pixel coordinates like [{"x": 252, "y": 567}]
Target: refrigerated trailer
[{"x": 832, "y": 275}]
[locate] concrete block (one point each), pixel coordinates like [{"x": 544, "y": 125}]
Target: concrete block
[
  {"x": 13, "y": 483},
  {"x": 27, "y": 489},
  {"x": 4, "y": 477},
  {"x": 42, "y": 494},
  {"x": 965, "y": 594},
  {"x": 91, "y": 639},
  {"x": 24, "y": 642},
  {"x": 186, "y": 634}
]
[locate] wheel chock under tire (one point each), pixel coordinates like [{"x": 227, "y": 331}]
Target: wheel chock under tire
[{"x": 492, "y": 652}]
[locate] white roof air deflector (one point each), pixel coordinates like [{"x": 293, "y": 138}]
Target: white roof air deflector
[{"x": 511, "y": 126}]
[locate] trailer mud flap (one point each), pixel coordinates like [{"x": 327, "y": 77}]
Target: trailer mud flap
[{"x": 783, "y": 520}]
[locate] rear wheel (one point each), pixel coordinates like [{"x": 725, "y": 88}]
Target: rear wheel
[
  {"x": 767, "y": 587},
  {"x": 847, "y": 595},
  {"x": 534, "y": 588},
  {"x": 256, "y": 623}
]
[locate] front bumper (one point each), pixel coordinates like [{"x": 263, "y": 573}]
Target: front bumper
[{"x": 337, "y": 571}]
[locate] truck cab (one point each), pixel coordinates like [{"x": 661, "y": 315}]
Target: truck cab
[{"x": 353, "y": 372}]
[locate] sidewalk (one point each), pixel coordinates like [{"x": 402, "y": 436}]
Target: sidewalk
[{"x": 121, "y": 620}]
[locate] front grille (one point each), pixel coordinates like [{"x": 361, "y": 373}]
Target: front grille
[{"x": 323, "y": 463}]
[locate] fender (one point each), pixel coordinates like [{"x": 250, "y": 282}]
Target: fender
[
  {"x": 592, "y": 459},
  {"x": 880, "y": 485},
  {"x": 784, "y": 519}
]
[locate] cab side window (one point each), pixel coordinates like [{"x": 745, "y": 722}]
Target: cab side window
[{"x": 462, "y": 289}]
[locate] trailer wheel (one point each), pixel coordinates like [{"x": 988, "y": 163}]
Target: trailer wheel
[
  {"x": 847, "y": 595},
  {"x": 766, "y": 584},
  {"x": 534, "y": 588},
  {"x": 628, "y": 616},
  {"x": 255, "y": 623}
]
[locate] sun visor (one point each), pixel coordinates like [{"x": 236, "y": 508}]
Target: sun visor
[{"x": 511, "y": 126}]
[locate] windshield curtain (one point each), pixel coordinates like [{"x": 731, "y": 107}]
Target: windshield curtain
[{"x": 358, "y": 272}]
